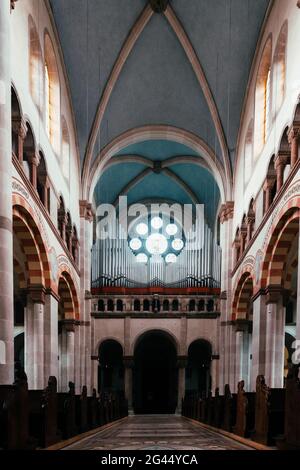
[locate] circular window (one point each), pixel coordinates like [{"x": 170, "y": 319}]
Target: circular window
[
  {"x": 142, "y": 229},
  {"x": 171, "y": 229},
  {"x": 156, "y": 244},
  {"x": 142, "y": 258},
  {"x": 156, "y": 223},
  {"x": 171, "y": 258},
  {"x": 135, "y": 244},
  {"x": 177, "y": 244}
]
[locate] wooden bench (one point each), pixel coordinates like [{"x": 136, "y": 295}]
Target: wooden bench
[
  {"x": 218, "y": 409},
  {"x": 245, "y": 412},
  {"x": 229, "y": 416},
  {"x": 43, "y": 414},
  {"x": 81, "y": 405},
  {"x": 291, "y": 437},
  {"x": 92, "y": 407},
  {"x": 67, "y": 412},
  {"x": 269, "y": 412}
]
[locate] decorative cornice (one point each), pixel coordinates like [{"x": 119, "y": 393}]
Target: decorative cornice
[{"x": 226, "y": 211}]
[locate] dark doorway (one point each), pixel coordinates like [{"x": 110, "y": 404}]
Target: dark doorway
[
  {"x": 111, "y": 369},
  {"x": 198, "y": 379},
  {"x": 155, "y": 375}
]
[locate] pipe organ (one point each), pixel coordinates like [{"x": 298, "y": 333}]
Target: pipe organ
[{"x": 197, "y": 265}]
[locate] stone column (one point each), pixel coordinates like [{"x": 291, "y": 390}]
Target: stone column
[
  {"x": 258, "y": 338},
  {"x": 268, "y": 188},
  {"x": 6, "y": 241},
  {"x": 280, "y": 162},
  {"x": 294, "y": 143},
  {"x": 67, "y": 354},
  {"x": 86, "y": 241},
  {"x": 242, "y": 352},
  {"x": 34, "y": 161},
  {"x": 35, "y": 339},
  {"x": 181, "y": 365},
  {"x": 20, "y": 130},
  {"x": 214, "y": 372},
  {"x": 51, "y": 336},
  {"x": 275, "y": 335},
  {"x": 226, "y": 215},
  {"x": 298, "y": 302},
  {"x": 128, "y": 366}
]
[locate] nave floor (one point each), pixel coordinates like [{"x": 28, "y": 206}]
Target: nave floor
[{"x": 157, "y": 432}]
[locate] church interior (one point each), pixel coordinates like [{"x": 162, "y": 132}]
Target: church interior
[{"x": 149, "y": 224}]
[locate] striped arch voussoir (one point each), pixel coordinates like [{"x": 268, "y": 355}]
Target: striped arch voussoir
[
  {"x": 29, "y": 234},
  {"x": 284, "y": 230},
  {"x": 68, "y": 294},
  {"x": 242, "y": 294}
]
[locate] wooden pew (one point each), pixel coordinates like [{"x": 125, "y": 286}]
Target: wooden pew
[
  {"x": 67, "y": 412},
  {"x": 81, "y": 405},
  {"x": 14, "y": 433},
  {"x": 92, "y": 407},
  {"x": 210, "y": 409},
  {"x": 8, "y": 418},
  {"x": 269, "y": 412},
  {"x": 229, "y": 416},
  {"x": 291, "y": 437},
  {"x": 43, "y": 414},
  {"x": 245, "y": 412},
  {"x": 218, "y": 409}
]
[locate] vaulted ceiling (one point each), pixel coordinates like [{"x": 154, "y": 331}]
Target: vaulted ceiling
[{"x": 186, "y": 67}]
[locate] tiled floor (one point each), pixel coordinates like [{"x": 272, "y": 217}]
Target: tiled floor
[{"x": 156, "y": 432}]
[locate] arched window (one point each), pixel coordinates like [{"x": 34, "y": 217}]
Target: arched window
[
  {"x": 166, "y": 305},
  {"x": 175, "y": 305},
  {"x": 36, "y": 72},
  {"x": 65, "y": 150},
  {"x": 110, "y": 305},
  {"x": 119, "y": 305},
  {"x": 101, "y": 306},
  {"x": 279, "y": 69},
  {"x": 192, "y": 305},
  {"x": 263, "y": 100},
  {"x": 248, "y": 153},
  {"x": 52, "y": 96},
  {"x": 146, "y": 305},
  {"x": 136, "y": 305},
  {"x": 61, "y": 218}
]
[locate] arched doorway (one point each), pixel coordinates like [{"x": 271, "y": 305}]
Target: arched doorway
[
  {"x": 111, "y": 369},
  {"x": 155, "y": 374},
  {"x": 198, "y": 379}
]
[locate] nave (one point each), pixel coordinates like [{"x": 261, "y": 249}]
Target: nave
[{"x": 156, "y": 432}]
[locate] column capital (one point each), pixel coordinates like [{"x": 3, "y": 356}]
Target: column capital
[
  {"x": 128, "y": 362},
  {"x": 86, "y": 211},
  {"x": 273, "y": 294},
  {"x": 37, "y": 294},
  {"x": 33, "y": 158},
  {"x": 282, "y": 158},
  {"x": 69, "y": 324},
  {"x": 19, "y": 126},
  {"x": 294, "y": 132},
  {"x": 182, "y": 362},
  {"x": 226, "y": 211}
]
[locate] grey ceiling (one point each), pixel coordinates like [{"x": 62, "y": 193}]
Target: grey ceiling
[{"x": 157, "y": 84}]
